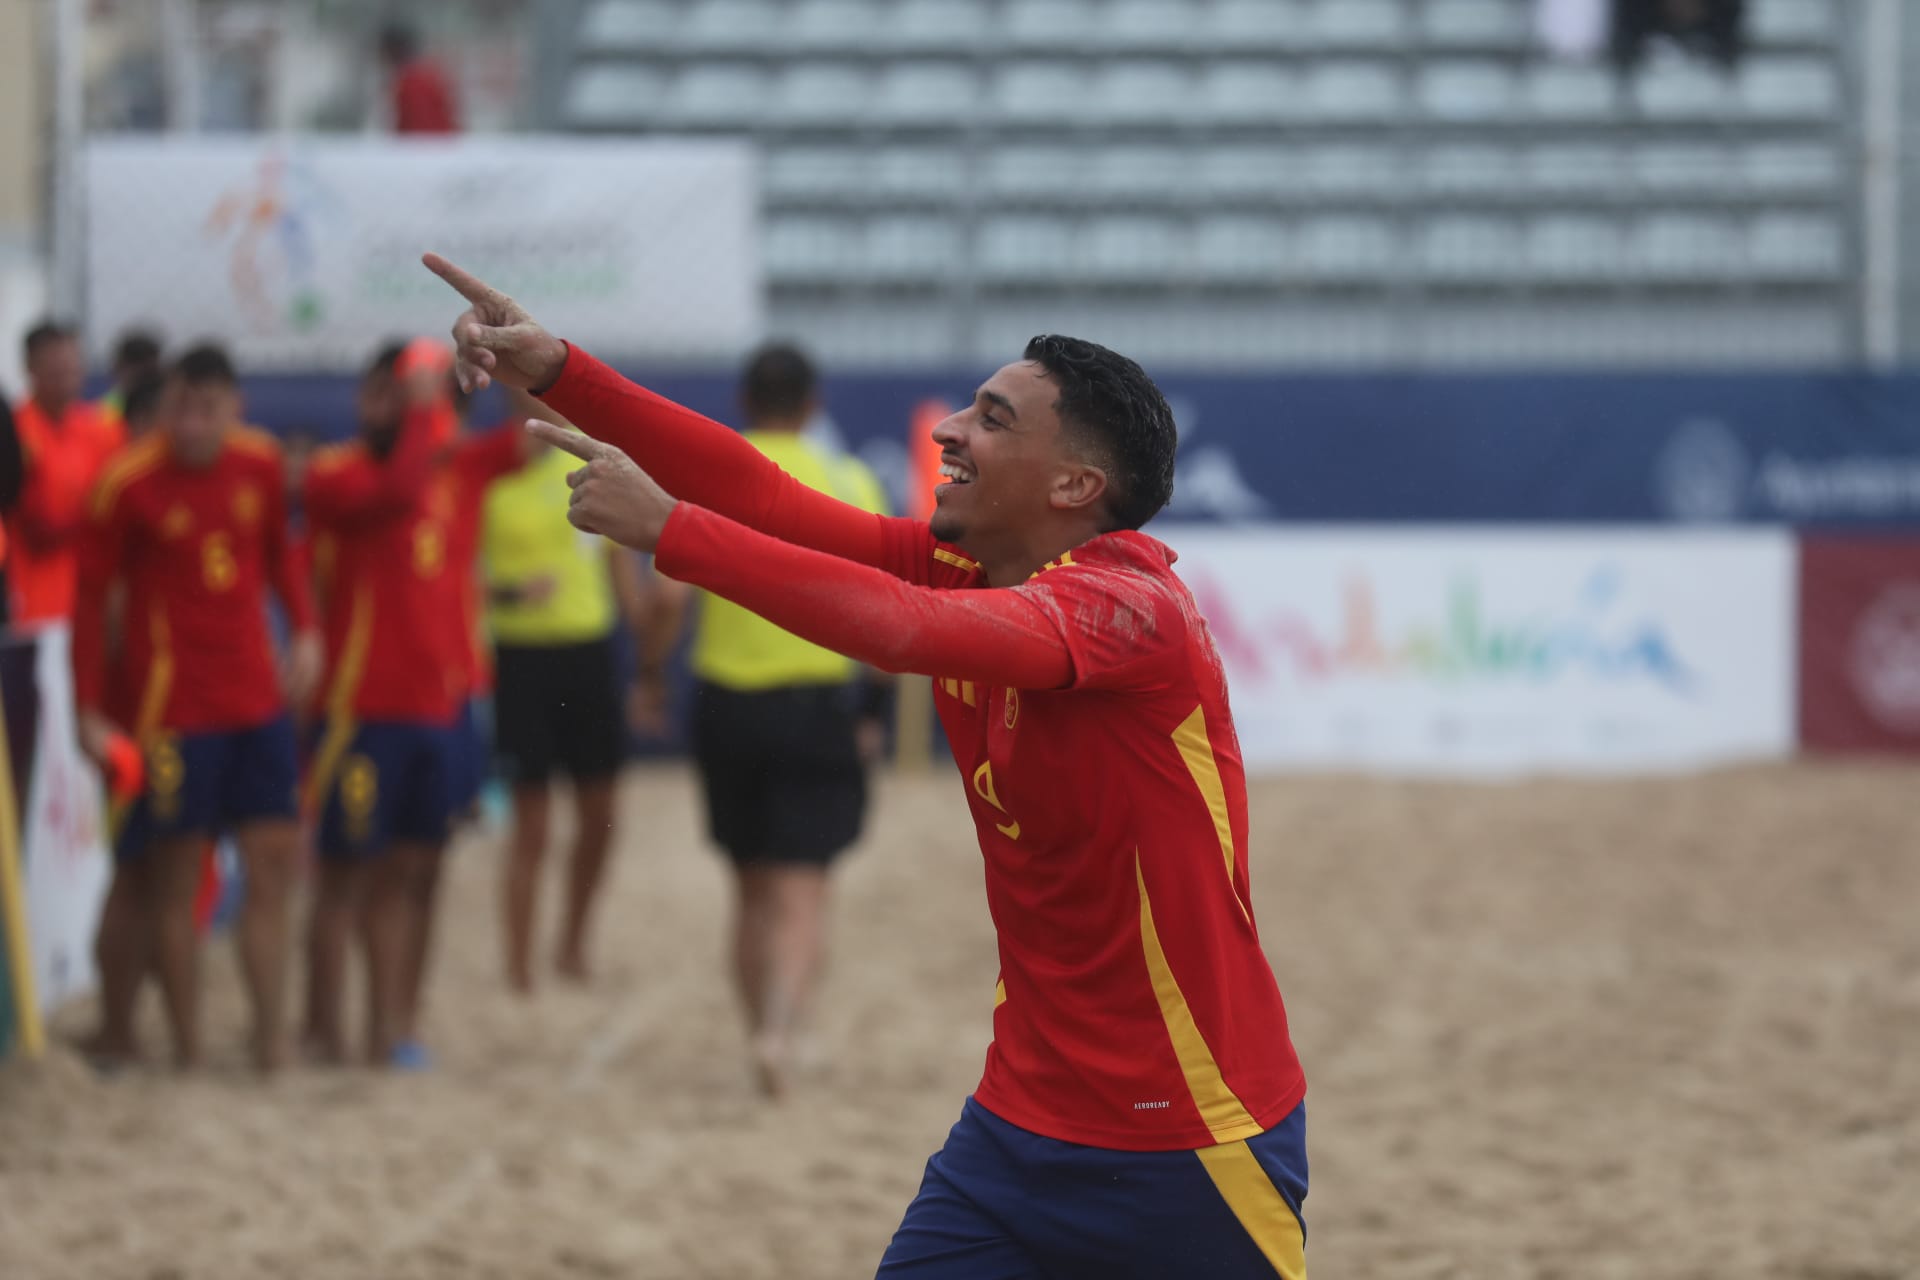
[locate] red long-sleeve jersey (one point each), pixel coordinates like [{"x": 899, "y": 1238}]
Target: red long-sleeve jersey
[
  {"x": 389, "y": 589},
  {"x": 196, "y": 549},
  {"x": 1087, "y": 710},
  {"x": 62, "y": 459}
]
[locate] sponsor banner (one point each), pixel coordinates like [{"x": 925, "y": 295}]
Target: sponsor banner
[
  {"x": 1478, "y": 652},
  {"x": 305, "y": 253},
  {"x": 64, "y": 833},
  {"x": 1860, "y": 644}
]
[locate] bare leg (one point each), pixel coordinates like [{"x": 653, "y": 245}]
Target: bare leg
[
  {"x": 387, "y": 922},
  {"x": 593, "y": 837},
  {"x": 522, "y": 889},
  {"x": 752, "y": 897},
  {"x": 123, "y": 948},
  {"x": 795, "y": 949},
  {"x": 337, "y": 903},
  {"x": 269, "y": 850},
  {"x": 423, "y": 898},
  {"x": 177, "y": 865}
]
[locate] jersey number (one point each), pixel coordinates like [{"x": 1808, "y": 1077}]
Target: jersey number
[
  {"x": 429, "y": 549},
  {"x": 983, "y": 787},
  {"x": 218, "y": 568}
]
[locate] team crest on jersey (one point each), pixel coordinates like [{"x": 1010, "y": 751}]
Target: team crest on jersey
[
  {"x": 247, "y": 505},
  {"x": 1013, "y": 707},
  {"x": 177, "y": 523}
]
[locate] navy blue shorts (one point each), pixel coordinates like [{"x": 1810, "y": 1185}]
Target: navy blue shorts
[
  {"x": 1001, "y": 1203},
  {"x": 469, "y": 754},
  {"x": 379, "y": 782},
  {"x": 205, "y": 783}
]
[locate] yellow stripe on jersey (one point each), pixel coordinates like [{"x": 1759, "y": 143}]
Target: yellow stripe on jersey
[
  {"x": 125, "y": 467},
  {"x": 346, "y": 682},
  {"x": 1258, "y": 1204},
  {"x": 1000, "y": 993},
  {"x": 1197, "y": 750},
  {"x": 1226, "y": 1117},
  {"x": 249, "y": 439},
  {"x": 945, "y": 556}
]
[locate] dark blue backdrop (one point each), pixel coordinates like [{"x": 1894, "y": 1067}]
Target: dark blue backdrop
[{"x": 1811, "y": 449}]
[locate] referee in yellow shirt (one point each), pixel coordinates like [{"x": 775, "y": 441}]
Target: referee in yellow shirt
[
  {"x": 552, "y": 593},
  {"x": 782, "y": 733}
]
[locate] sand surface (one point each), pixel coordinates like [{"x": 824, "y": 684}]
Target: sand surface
[{"x": 1654, "y": 1029}]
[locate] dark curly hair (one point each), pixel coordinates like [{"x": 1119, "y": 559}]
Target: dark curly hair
[{"x": 1118, "y": 417}]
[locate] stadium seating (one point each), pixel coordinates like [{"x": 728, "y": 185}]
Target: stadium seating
[{"x": 1107, "y": 153}]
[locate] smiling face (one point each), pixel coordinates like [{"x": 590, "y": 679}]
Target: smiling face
[{"x": 1010, "y": 468}]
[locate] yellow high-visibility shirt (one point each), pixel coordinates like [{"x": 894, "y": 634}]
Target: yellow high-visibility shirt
[{"x": 524, "y": 536}]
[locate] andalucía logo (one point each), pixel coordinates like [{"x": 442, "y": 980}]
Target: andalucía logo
[
  {"x": 271, "y": 224},
  {"x": 1466, "y": 642},
  {"x": 1885, "y": 658}
]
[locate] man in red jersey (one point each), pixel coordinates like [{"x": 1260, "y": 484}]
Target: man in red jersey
[
  {"x": 64, "y": 443},
  {"x": 192, "y": 523},
  {"x": 379, "y": 777},
  {"x": 1141, "y": 1110}
]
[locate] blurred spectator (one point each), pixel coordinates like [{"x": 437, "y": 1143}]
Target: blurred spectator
[
  {"x": 422, "y": 98},
  {"x": 135, "y": 359},
  {"x": 64, "y": 441},
  {"x": 140, "y": 404},
  {"x": 1709, "y": 29}
]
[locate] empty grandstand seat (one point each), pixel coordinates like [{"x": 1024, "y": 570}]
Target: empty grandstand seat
[
  {"x": 1137, "y": 172},
  {"x": 1787, "y": 89},
  {"x": 945, "y": 26},
  {"x": 1132, "y": 249},
  {"x": 1244, "y": 93},
  {"x": 1790, "y": 166},
  {"x": 731, "y": 25},
  {"x": 1575, "y": 248},
  {"x": 1233, "y": 170},
  {"x": 614, "y": 97},
  {"x": 1158, "y": 26},
  {"x": 1468, "y": 169},
  {"x": 1795, "y": 247},
  {"x": 813, "y": 173},
  {"x": 1142, "y": 93},
  {"x": 917, "y": 172},
  {"x": 822, "y": 94},
  {"x": 1559, "y": 168},
  {"x": 1790, "y": 21},
  {"x": 1036, "y": 171},
  {"x": 1682, "y": 89},
  {"x": 1348, "y": 249},
  {"x": 1049, "y": 24},
  {"x": 902, "y": 248},
  {"x": 1255, "y": 25},
  {"x": 811, "y": 249},
  {"x": 716, "y": 95},
  {"x": 1684, "y": 166},
  {"x": 1354, "y": 91},
  {"x": 1351, "y": 170},
  {"x": 1025, "y": 249},
  {"x": 1235, "y": 249},
  {"x": 926, "y": 93},
  {"x": 1040, "y": 93},
  {"x": 1356, "y": 24},
  {"x": 1458, "y": 249},
  {"x": 1467, "y": 91},
  {"x": 1568, "y": 93},
  {"x": 614, "y": 25},
  {"x": 833, "y": 25},
  {"x": 1679, "y": 247},
  {"x": 1480, "y": 23}
]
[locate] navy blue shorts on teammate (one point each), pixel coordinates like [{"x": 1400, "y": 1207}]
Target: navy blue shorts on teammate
[
  {"x": 206, "y": 783},
  {"x": 383, "y": 781},
  {"x": 1001, "y": 1203},
  {"x": 470, "y": 753}
]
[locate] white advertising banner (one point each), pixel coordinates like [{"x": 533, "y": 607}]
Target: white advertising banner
[
  {"x": 64, "y": 839},
  {"x": 304, "y": 253},
  {"x": 1494, "y": 652}
]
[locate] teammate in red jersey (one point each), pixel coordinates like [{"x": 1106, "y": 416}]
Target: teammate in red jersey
[
  {"x": 380, "y": 509},
  {"x": 191, "y": 522},
  {"x": 1141, "y": 1111}
]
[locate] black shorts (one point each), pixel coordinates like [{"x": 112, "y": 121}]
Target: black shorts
[
  {"x": 781, "y": 770},
  {"x": 557, "y": 708}
]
